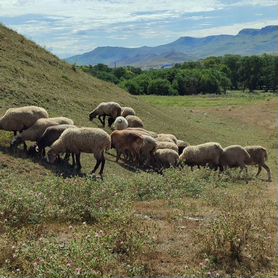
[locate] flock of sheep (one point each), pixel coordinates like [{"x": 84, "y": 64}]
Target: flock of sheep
[{"x": 136, "y": 145}]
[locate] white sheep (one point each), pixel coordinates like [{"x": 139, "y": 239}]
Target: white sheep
[
  {"x": 112, "y": 109},
  {"x": 165, "y": 158},
  {"x": 120, "y": 123},
  {"x": 202, "y": 155},
  {"x": 258, "y": 155},
  {"x": 20, "y": 118},
  {"x": 234, "y": 156},
  {"x": 148, "y": 148},
  {"x": 34, "y": 132},
  {"x": 127, "y": 111},
  {"x": 165, "y": 137},
  {"x": 82, "y": 140},
  {"x": 134, "y": 121},
  {"x": 167, "y": 145}
]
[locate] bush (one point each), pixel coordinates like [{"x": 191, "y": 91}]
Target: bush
[{"x": 238, "y": 237}]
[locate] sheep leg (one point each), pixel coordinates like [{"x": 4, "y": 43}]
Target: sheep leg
[
  {"x": 259, "y": 170},
  {"x": 102, "y": 165},
  {"x": 101, "y": 161},
  {"x": 67, "y": 156},
  {"x": 73, "y": 159},
  {"x": 101, "y": 120},
  {"x": 78, "y": 161},
  {"x": 268, "y": 171},
  {"x": 104, "y": 117},
  {"x": 118, "y": 155},
  {"x": 24, "y": 146},
  {"x": 96, "y": 166}
]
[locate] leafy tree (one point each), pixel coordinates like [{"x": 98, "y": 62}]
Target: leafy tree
[
  {"x": 160, "y": 87},
  {"x": 131, "y": 86}
]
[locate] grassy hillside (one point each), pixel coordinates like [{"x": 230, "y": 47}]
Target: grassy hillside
[{"x": 57, "y": 223}]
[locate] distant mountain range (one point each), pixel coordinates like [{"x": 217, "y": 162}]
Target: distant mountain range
[{"x": 246, "y": 42}]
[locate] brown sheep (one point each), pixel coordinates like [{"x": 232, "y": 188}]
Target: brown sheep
[
  {"x": 234, "y": 156},
  {"x": 258, "y": 156},
  {"x": 126, "y": 142}
]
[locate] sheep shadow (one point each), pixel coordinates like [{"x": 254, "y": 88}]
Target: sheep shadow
[{"x": 62, "y": 169}]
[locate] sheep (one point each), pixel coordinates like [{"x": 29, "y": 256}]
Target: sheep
[
  {"x": 234, "y": 156},
  {"x": 34, "y": 132},
  {"x": 165, "y": 158},
  {"x": 143, "y": 131},
  {"x": 148, "y": 148},
  {"x": 258, "y": 156},
  {"x": 181, "y": 146},
  {"x": 82, "y": 140},
  {"x": 20, "y": 118},
  {"x": 134, "y": 121},
  {"x": 50, "y": 135},
  {"x": 167, "y": 145},
  {"x": 164, "y": 137},
  {"x": 202, "y": 155},
  {"x": 120, "y": 123},
  {"x": 127, "y": 111},
  {"x": 112, "y": 109},
  {"x": 126, "y": 142}
]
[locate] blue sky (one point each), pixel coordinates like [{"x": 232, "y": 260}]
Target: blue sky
[{"x": 69, "y": 27}]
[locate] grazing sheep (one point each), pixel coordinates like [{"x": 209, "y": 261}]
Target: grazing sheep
[
  {"x": 202, "y": 155},
  {"x": 20, "y": 118},
  {"x": 120, "y": 123},
  {"x": 34, "y": 132},
  {"x": 165, "y": 158},
  {"x": 143, "y": 131},
  {"x": 112, "y": 109},
  {"x": 126, "y": 142},
  {"x": 167, "y": 145},
  {"x": 82, "y": 140},
  {"x": 50, "y": 135},
  {"x": 134, "y": 121},
  {"x": 164, "y": 137},
  {"x": 181, "y": 145},
  {"x": 148, "y": 148},
  {"x": 234, "y": 156},
  {"x": 258, "y": 156},
  {"x": 127, "y": 111}
]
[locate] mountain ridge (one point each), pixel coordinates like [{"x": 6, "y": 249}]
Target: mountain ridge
[{"x": 255, "y": 42}]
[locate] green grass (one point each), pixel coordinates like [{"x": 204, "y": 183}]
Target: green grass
[
  {"x": 56, "y": 223},
  {"x": 233, "y": 98}
]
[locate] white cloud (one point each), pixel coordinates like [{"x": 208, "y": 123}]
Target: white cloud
[
  {"x": 71, "y": 26},
  {"x": 230, "y": 29}
]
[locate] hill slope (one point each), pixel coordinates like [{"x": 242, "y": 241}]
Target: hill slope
[
  {"x": 246, "y": 42},
  {"x": 31, "y": 75}
]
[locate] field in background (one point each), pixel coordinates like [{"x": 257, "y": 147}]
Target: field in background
[
  {"x": 55, "y": 222},
  {"x": 232, "y": 98}
]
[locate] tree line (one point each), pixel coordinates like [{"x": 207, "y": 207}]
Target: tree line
[{"x": 213, "y": 75}]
